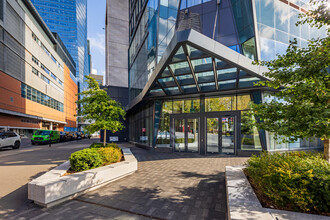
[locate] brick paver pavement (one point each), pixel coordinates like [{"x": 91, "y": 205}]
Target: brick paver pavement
[{"x": 166, "y": 186}]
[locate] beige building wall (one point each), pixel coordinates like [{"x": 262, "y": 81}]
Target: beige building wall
[{"x": 20, "y": 25}]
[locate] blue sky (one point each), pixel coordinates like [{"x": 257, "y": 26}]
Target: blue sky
[{"x": 96, "y": 34}]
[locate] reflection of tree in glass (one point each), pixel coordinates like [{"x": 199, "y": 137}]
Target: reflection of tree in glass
[
  {"x": 186, "y": 106},
  {"x": 164, "y": 123},
  {"x": 246, "y": 123},
  {"x": 212, "y": 125},
  {"x": 243, "y": 102}
]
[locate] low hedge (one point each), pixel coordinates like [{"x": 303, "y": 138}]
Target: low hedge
[
  {"x": 98, "y": 145},
  {"x": 297, "y": 181},
  {"x": 95, "y": 156},
  {"x": 85, "y": 159}
]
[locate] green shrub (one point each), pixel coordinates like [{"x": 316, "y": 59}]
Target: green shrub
[
  {"x": 110, "y": 154},
  {"x": 95, "y": 156},
  {"x": 85, "y": 159},
  {"x": 98, "y": 145},
  {"x": 299, "y": 181}
]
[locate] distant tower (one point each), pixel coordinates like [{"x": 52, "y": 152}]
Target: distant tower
[
  {"x": 90, "y": 66},
  {"x": 117, "y": 42},
  {"x": 69, "y": 20}
]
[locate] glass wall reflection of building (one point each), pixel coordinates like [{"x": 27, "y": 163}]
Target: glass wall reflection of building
[
  {"x": 191, "y": 78},
  {"x": 69, "y": 20}
]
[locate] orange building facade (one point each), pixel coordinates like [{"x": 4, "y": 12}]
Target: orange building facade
[
  {"x": 70, "y": 98},
  {"x": 24, "y": 116}
]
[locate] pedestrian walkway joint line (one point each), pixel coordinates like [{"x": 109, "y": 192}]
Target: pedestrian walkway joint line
[{"x": 119, "y": 209}]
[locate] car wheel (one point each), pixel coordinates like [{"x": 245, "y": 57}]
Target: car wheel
[{"x": 16, "y": 145}]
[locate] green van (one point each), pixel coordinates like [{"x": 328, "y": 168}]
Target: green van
[{"x": 43, "y": 136}]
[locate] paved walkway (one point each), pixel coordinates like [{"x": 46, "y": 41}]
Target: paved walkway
[{"x": 166, "y": 186}]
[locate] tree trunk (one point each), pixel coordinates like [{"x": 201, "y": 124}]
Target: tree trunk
[
  {"x": 104, "y": 137},
  {"x": 327, "y": 149}
]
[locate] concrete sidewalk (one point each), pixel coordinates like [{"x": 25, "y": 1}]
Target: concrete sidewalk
[{"x": 166, "y": 186}]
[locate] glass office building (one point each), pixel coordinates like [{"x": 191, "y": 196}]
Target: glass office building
[
  {"x": 69, "y": 20},
  {"x": 191, "y": 77}
]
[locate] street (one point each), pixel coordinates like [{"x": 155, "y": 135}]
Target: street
[{"x": 18, "y": 167}]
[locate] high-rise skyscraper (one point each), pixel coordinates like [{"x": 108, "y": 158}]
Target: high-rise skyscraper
[{"x": 69, "y": 20}]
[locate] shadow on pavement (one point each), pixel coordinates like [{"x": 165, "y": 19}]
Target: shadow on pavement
[
  {"x": 17, "y": 201},
  {"x": 207, "y": 200}
]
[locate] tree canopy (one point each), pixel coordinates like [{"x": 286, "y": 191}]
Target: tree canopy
[{"x": 97, "y": 108}]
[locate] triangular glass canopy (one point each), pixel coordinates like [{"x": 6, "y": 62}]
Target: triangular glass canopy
[
  {"x": 191, "y": 70},
  {"x": 193, "y": 63}
]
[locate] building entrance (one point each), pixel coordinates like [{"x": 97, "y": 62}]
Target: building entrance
[
  {"x": 185, "y": 136},
  {"x": 221, "y": 134},
  {"x": 214, "y": 132}
]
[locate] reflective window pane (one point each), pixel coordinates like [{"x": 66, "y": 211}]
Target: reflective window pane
[
  {"x": 250, "y": 139},
  {"x": 226, "y": 74},
  {"x": 220, "y": 104},
  {"x": 205, "y": 77},
  {"x": 180, "y": 68},
  {"x": 220, "y": 64},
  {"x": 201, "y": 65},
  {"x": 163, "y": 135},
  {"x": 179, "y": 55},
  {"x": 227, "y": 84},
  {"x": 172, "y": 91},
  {"x": 179, "y": 139},
  {"x": 243, "y": 102},
  {"x": 185, "y": 79},
  {"x": 207, "y": 87},
  {"x": 248, "y": 82},
  {"x": 195, "y": 53},
  {"x": 186, "y": 106},
  {"x": 167, "y": 82}
]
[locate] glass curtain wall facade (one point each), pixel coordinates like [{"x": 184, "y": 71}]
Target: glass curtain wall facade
[
  {"x": 197, "y": 101},
  {"x": 69, "y": 20}
]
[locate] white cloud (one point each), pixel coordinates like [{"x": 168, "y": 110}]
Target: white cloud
[
  {"x": 98, "y": 43},
  {"x": 94, "y": 71}
]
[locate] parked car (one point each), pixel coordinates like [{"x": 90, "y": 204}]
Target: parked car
[
  {"x": 44, "y": 136},
  {"x": 63, "y": 136},
  {"x": 74, "y": 135},
  {"x": 10, "y": 139},
  {"x": 78, "y": 135},
  {"x": 69, "y": 136}
]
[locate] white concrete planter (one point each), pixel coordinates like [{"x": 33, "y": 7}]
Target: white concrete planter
[
  {"x": 243, "y": 203},
  {"x": 52, "y": 188}
]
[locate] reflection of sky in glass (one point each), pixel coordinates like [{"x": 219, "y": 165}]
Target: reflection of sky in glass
[{"x": 276, "y": 26}]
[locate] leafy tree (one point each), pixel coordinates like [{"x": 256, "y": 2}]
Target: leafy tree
[
  {"x": 97, "y": 107},
  {"x": 300, "y": 108}
]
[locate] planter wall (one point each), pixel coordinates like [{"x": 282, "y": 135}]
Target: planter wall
[
  {"x": 242, "y": 202},
  {"x": 53, "y": 188}
]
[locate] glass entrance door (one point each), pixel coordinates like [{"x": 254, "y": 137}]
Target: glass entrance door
[
  {"x": 186, "y": 134},
  {"x": 220, "y": 136},
  {"x": 228, "y": 135},
  {"x": 192, "y": 135},
  {"x": 179, "y": 137},
  {"x": 212, "y": 139}
]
